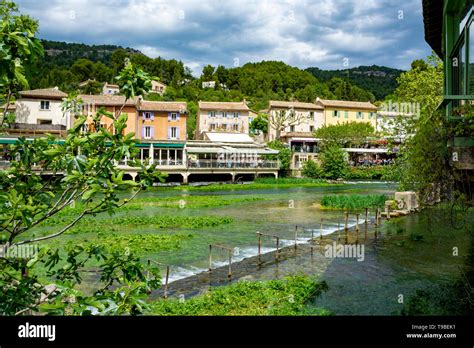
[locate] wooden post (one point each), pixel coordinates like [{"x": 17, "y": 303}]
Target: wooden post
[
  {"x": 387, "y": 211},
  {"x": 259, "y": 245},
  {"x": 366, "y": 216},
  {"x": 210, "y": 258},
  {"x": 296, "y": 235},
  {"x": 357, "y": 223},
  {"x": 277, "y": 255},
  {"x": 346, "y": 221},
  {"x": 230, "y": 264},
  {"x": 321, "y": 229},
  {"x": 166, "y": 281}
]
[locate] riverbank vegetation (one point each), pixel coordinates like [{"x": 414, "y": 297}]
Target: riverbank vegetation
[
  {"x": 274, "y": 297},
  {"x": 353, "y": 201}
]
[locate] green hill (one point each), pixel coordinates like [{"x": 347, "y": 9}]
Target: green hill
[{"x": 379, "y": 80}]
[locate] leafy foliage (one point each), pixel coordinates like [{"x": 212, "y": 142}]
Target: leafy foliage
[
  {"x": 334, "y": 162},
  {"x": 381, "y": 81},
  {"x": 284, "y": 155},
  {"x": 353, "y": 201},
  {"x": 344, "y": 134},
  {"x": 312, "y": 170},
  {"x": 274, "y": 297}
]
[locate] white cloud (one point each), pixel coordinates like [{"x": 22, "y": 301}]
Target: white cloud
[{"x": 300, "y": 32}]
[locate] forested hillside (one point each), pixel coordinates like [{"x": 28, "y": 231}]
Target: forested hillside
[
  {"x": 66, "y": 65},
  {"x": 379, "y": 80}
]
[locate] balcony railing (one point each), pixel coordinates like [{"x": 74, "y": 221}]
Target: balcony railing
[{"x": 216, "y": 164}]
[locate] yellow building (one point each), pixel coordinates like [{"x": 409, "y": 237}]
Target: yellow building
[{"x": 341, "y": 111}]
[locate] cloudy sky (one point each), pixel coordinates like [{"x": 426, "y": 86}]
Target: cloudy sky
[{"x": 330, "y": 34}]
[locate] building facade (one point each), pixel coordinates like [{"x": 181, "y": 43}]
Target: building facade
[
  {"x": 162, "y": 120},
  {"x": 341, "y": 111},
  {"x": 223, "y": 117},
  {"x": 39, "y": 111}
]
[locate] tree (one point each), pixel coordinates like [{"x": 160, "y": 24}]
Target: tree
[
  {"x": 423, "y": 158},
  {"x": 344, "y": 134},
  {"x": 90, "y": 180},
  {"x": 279, "y": 120},
  {"x": 312, "y": 170},
  {"x": 284, "y": 155},
  {"x": 334, "y": 162},
  {"x": 82, "y": 69},
  {"x": 260, "y": 123},
  {"x": 208, "y": 73},
  {"x": 18, "y": 48}
]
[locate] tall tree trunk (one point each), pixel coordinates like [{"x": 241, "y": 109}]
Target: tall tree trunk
[{"x": 5, "y": 111}]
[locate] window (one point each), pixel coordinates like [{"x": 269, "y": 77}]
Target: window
[
  {"x": 212, "y": 126},
  {"x": 292, "y": 128},
  {"x": 44, "y": 105},
  {"x": 360, "y": 114},
  {"x": 311, "y": 115},
  {"x": 371, "y": 115},
  {"x": 224, "y": 126},
  {"x": 335, "y": 113},
  {"x": 212, "y": 113},
  {"x": 147, "y": 115},
  {"x": 44, "y": 121},
  {"x": 235, "y": 127},
  {"x": 174, "y": 116},
  {"x": 236, "y": 115},
  {"x": 174, "y": 132},
  {"x": 147, "y": 132},
  {"x": 311, "y": 129},
  {"x": 346, "y": 114}
]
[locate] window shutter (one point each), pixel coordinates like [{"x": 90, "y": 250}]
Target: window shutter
[
  {"x": 143, "y": 132},
  {"x": 178, "y": 115},
  {"x": 169, "y": 132},
  {"x": 177, "y": 132},
  {"x": 169, "y": 116},
  {"x": 152, "y": 132},
  {"x": 143, "y": 116},
  {"x": 152, "y": 116}
]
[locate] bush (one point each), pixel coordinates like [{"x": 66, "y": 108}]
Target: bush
[
  {"x": 312, "y": 170},
  {"x": 334, "y": 163},
  {"x": 388, "y": 173}
]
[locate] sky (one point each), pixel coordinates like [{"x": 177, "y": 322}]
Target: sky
[{"x": 329, "y": 34}]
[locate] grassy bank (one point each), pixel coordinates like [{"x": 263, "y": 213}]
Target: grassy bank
[
  {"x": 261, "y": 183},
  {"x": 353, "y": 201},
  {"x": 275, "y": 297}
]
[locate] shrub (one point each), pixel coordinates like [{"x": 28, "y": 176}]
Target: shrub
[
  {"x": 334, "y": 163},
  {"x": 312, "y": 170},
  {"x": 353, "y": 201}
]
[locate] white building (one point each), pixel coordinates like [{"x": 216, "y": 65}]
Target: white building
[
  {"x": 222, "y": 117},
  {"x": 158, "y": 87},
  {"x": 41, "y": 107},
  {"x": 110, "y": 89}
]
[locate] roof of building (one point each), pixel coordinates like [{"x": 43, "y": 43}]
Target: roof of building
[
  {"x": 107, "y": 100},
  {"x": 433, "y": 22},
  {"x": 163, "y": 106},
  {"x": 47, "y": 93},
  {"x": 224, "y": 106},
  {"x": 346, "y": 104},
  {"x": 228, "y": 137},
  {"x": 109, "y": 85},
  {"x": 293, "y": 104}
]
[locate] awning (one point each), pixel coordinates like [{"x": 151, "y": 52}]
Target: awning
[
  {"x": 161, "y": 145},
  {"x": 357, "y": 150},
  {"x": 229, "y": 137},
  {"x": 232, "y": 150}
]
